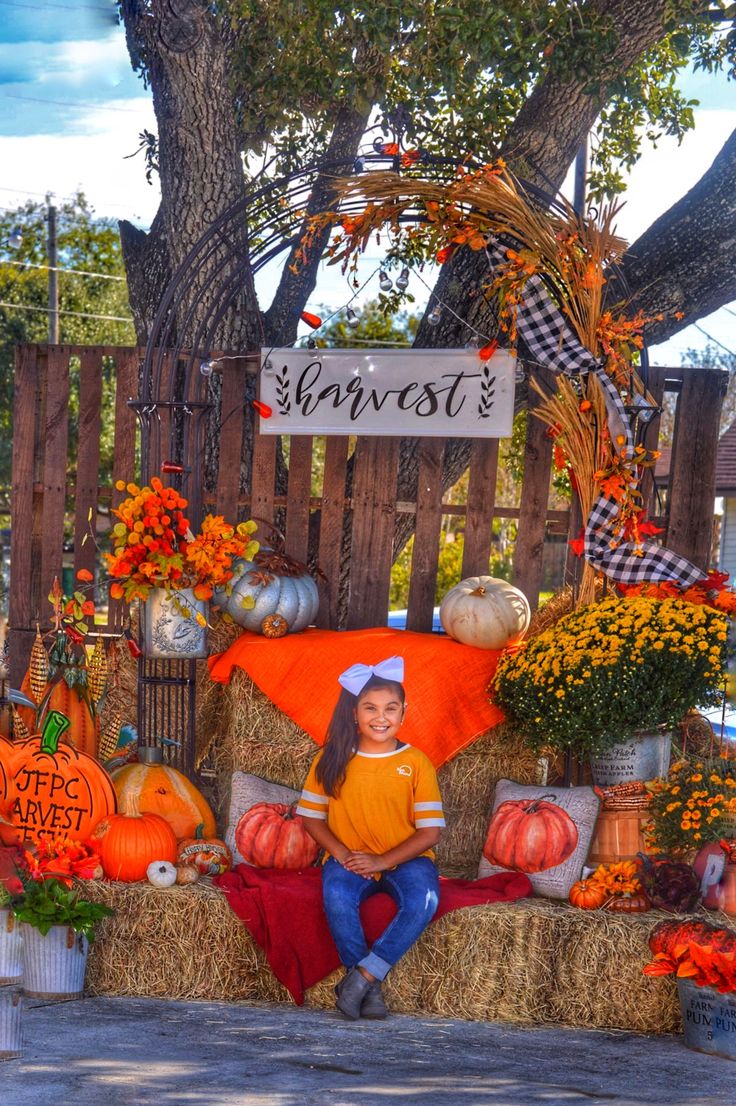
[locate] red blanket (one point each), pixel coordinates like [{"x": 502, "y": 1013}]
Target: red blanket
[
  {"x": 446, "y": 682},
  {"x": 282, "y": 911}
]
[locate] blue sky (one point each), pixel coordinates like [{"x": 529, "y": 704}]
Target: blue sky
[{"x": 71, "y": 110}]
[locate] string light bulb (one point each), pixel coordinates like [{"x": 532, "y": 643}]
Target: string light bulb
[
  {"x": 402, "y": 281},
  {"x": 206, "y": 368},
  {"x": 435, "y": 316},
  {"x": 352, "y": 319},
  {"x": 519, "y": 373},
  {"x": 268, "y": 369},
  {"x": 474, "y": 342},
  {"x": 384, "y": 281}
]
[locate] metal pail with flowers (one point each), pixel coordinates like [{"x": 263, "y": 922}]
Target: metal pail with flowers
[
  {"x": 11, "y": 1012},
  {"x": 11, "y": 949},
  {"x": 642, "y": 757},
  {"x": 171, "y": 626},
  {"x": 708, "y": 1019}
]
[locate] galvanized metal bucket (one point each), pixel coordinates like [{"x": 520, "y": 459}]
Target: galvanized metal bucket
[
  {"x": 11, "y": 949},
  {"x": 11, "y": 1028},
  {"x": 643, "y": 757},
  {"x": 170, "y": 627},
  {"x": 709, "y": 1019},
  {"x": 54, "y": 965}
]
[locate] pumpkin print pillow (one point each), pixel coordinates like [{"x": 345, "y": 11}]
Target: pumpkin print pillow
[
  {"x": 544, "y": 832},
  {"x": 247, "y": 791}
]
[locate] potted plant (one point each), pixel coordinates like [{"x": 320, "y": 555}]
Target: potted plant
[
  {"x": 157, "y": 559},
  {"x": 11, "y": 947},
  {"x": 703, "y": 958},
  {"x": 610, "y": 681}
]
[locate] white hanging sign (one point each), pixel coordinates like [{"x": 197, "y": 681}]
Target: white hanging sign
[{"x": 422, "y": 393}]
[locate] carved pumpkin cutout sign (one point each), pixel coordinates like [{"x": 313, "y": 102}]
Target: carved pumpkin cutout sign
[
  {"x": 58, "y": 789},
  {"x": 543, "y": 832}
]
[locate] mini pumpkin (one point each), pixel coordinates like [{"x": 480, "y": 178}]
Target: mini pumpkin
[
  {"x": 161, "y": 873},
  {"x": 274, "y": 625},
  {"x": 485, "y": 612},
  {"x": 186, "y": 874},
  {"x": 209, "y": 856},
  {"x": 587, "y": 894},
  {"x": 272, "y": 835},
  {"x": 637, "y": 903}
]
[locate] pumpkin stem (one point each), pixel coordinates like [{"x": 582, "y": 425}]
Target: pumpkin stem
[
  {"x": 535, "y": 805},
  {"x": 480, "y": 590},
  {"x": 199, "y": 832},
  {"x": 54, "y": 726}
]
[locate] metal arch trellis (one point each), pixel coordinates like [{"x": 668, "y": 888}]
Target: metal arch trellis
[{"x": 176, "y": 397}]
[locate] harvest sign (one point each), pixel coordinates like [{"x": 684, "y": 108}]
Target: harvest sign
[{"x": 412, "y": 393}]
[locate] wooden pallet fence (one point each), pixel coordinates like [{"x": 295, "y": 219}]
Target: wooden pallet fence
[{"x": 57, "y": 490}]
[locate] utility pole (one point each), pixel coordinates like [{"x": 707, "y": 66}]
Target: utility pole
[{"x": 53, "y": 261}]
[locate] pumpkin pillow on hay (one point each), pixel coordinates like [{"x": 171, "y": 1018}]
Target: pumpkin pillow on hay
[
  {"x": 246, "y": 791},
  {"x": 544, "y": 832}
]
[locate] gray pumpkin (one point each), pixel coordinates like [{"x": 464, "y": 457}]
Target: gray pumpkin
[{"x": 295, "y": 598}]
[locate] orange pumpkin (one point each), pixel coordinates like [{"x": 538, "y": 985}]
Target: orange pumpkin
[
  {"x": 587, "y": 894},
  {"x": 58, "y": 789},
  {"x": 530, "y": 835},
  {"x": 84, "y": 730},
  {"x": 7, "y": 771},
  {"x": 209, "y": 855},
  {"x": 127, "y": 843},
  {"x": 271, "y": 835},
  {"x": 157, "y": 788}
]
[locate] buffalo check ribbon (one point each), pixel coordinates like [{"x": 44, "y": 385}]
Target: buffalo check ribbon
[{"x": 553, "y": 345}]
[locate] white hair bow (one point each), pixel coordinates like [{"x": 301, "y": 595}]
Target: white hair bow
[{"x": 355, "y": 678}]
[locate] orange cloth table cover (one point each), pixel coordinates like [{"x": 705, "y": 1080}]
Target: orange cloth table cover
[{"x": 446, "y": 682}]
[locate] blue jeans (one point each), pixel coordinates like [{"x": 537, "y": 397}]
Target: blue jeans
[{"x": 414, "y": 887}]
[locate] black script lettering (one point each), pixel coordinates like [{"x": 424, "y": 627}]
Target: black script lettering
[
  {"x": 403, "y": 402},
  {"x": 449, "y": 410}
]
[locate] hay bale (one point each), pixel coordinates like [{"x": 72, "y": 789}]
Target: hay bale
[{"x": 528, "y": 963}]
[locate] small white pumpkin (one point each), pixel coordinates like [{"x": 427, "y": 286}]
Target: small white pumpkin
[
  {"x": 485, "y": 612},
  {"x": 161, "y": 873}
]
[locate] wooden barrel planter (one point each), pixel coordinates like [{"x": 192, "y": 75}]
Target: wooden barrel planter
[{"x": 619, "y": 835}]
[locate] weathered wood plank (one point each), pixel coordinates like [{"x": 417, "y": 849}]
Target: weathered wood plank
[
  {"x": 374, "y": 509},
  {"x": 426, "y": 552},
  {"x": 529, "y": 548},
  {"x": 331, "y": 529},
  {"x": 54, "y": 470},
  {"x": 123, "y": 450},
  {"x": 299, "y": 492},
  {"x": 263, "y": 483},
  {"x": 88, "y": 460},
  {"x": 650, "y": 437},
  {"x": 232, "y": 417},
  {"x": 481, "y": 502},
  {"x": 693, "y": 472},
  {"x": 24, "y": 442}
]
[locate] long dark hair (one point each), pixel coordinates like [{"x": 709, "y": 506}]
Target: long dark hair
[{"x": 341, "y": 741}]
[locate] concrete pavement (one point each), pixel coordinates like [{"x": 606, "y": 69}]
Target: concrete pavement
[{"x": 141, "y": 1052}]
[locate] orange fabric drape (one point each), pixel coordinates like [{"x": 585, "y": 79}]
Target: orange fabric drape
[{"x": 445, "y": 681}]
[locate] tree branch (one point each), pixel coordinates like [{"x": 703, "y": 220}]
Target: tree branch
[{"x": 686, "y": 260}]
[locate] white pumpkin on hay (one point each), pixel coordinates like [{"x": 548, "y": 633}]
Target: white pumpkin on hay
[{"x": 485, "y": 612}]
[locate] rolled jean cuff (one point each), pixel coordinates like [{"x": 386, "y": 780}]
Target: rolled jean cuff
[{"x": 375, "y": 965}]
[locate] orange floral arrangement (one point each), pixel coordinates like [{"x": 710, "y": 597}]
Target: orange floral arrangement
[
  {"x": 699, "y": 951},
  {"x": 63, "y": 859},
  {"x": 616, "y": 879},
  {"x": 154, "y": 547}
]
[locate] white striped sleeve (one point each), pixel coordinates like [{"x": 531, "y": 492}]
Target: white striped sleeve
[{"x": 429, "y": 814}]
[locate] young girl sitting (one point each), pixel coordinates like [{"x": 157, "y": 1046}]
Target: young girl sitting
[{"x": 373, "y": 804}]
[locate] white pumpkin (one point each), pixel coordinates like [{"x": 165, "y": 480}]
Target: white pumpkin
[
  {"x": 161, "y": 873},
  {"x": 485, "y": 612}
]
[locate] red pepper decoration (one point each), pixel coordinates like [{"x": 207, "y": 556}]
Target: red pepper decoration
[
  {"x": 488, "y": 351},
  {"x": 171, "y": 466},
  {"x": 262, "y": 408},
  {"x": 311, "y": 320},
  {"x": 74, "y": 635},
  {"x": 133, "y": 647}
]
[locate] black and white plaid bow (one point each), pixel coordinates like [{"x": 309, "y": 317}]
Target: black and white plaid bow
[{"x": 553, "y": 345}]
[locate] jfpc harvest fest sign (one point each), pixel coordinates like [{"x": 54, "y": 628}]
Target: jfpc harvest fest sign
[{"x": 443, "y": 393}]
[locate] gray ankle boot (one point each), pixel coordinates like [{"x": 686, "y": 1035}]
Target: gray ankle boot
[
  {"x": 350, "y": 993},
  {"x": 373, "y": 1005}
]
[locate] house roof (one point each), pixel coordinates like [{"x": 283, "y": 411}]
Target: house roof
[{"x": 725, "y": 464}]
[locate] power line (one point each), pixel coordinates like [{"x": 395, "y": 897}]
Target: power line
[
  {"x": 57, "y": 269},
  {"x": 70, "y": 103},
  {"x": 77, "y": 314},
  {"x": 710, "y": 338}
]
